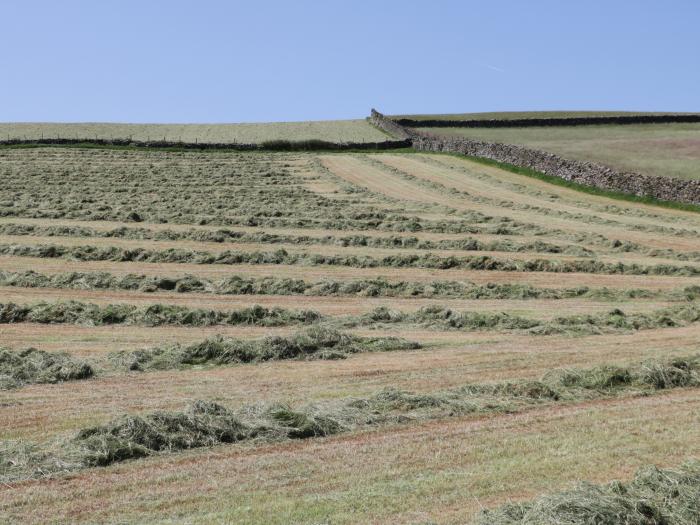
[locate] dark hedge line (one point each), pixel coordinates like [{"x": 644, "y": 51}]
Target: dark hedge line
[{"x": 270, "y": 145}]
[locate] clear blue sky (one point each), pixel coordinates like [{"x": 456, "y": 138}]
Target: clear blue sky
[{"x": 217, "y": 61}]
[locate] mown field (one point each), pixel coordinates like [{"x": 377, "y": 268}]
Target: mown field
[
  {"x": 338, "y": 338},
  {"x": 338, "y": 131},
  {"x": 666, "y": 150}
]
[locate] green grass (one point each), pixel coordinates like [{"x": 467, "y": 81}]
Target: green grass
[{"x": 666, "y": 150}]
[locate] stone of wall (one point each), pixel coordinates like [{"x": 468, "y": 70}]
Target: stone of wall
[
  {"x": 586, "y": 173},
  {"x": 389, "y": 126},
  {"x": 554, "y": 121}
]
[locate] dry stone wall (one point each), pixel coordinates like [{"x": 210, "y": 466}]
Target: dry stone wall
[
  {"x": 553, "y": 121},
  {"x": 390, "y": 126},
  {"x": 586, "y": 173}
]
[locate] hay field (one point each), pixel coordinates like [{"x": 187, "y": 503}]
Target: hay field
[
  {"x": 329, "y": 130},
  {"x": 666, "y": 150},
  {"x": 331, "y": 338}
]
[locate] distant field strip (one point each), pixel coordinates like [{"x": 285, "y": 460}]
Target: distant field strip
[
  {"x": 332, "y": 131},
  {"x": 517, "y": 115},
  {"x": 667, "y": 150},
  {"x": 346, "y": 337}
]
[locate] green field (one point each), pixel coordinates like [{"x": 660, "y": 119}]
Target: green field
[
  {"x": 330, "y": 130},
  {"x": 668, "y": 150}
]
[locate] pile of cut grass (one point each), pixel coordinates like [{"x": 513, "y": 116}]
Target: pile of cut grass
[
  {"x": 443, "y": 318},
  {"x": 282, "y": 257},
  {"x": 77, "y": 312},
  {"x": 434, "y": 317},
  {"x": 377, "y": 287},
  {"x": 22, "y": 367},
  {"x": 316, "y": 342},
  {"x": 654, "y": 497},
  {"x": 205, "y": 423},
  {"x": 224, "y": 235}
]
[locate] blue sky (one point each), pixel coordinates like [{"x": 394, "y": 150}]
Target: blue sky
[{"x": 216, "y": 61}]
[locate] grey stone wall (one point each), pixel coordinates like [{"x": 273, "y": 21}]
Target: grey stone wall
[
  {"x": 547, "y": 121},
  {"x": 586, "y": 173},
  {"x": 391, "y": 127}
]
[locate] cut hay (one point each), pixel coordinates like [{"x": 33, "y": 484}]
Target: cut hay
[
  {"x": 77, "y": 312},
  {"x": 654, "y": 497},
  {"x": 317, "y": 342},
  {"x": 205, "y": 423},
  {"x": 28, "y": 366}
]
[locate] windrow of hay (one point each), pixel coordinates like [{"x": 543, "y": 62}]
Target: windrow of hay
[
  {"x": 378, "y": 287},
  {"x": 281, "y": 256},
  {"x": 232, "y": 236},
  {"x": 434, "y": 316},
  {"x": 654, "y": 497},
  {"x": 30, "y": 365},
  {"x": 77, "y": 312},
  {"x": 206, "y": 423},
  {"x": 22, "y": 367},
  {"x": 616, "y": 320},
  {"x": 313, "y": 343}
]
